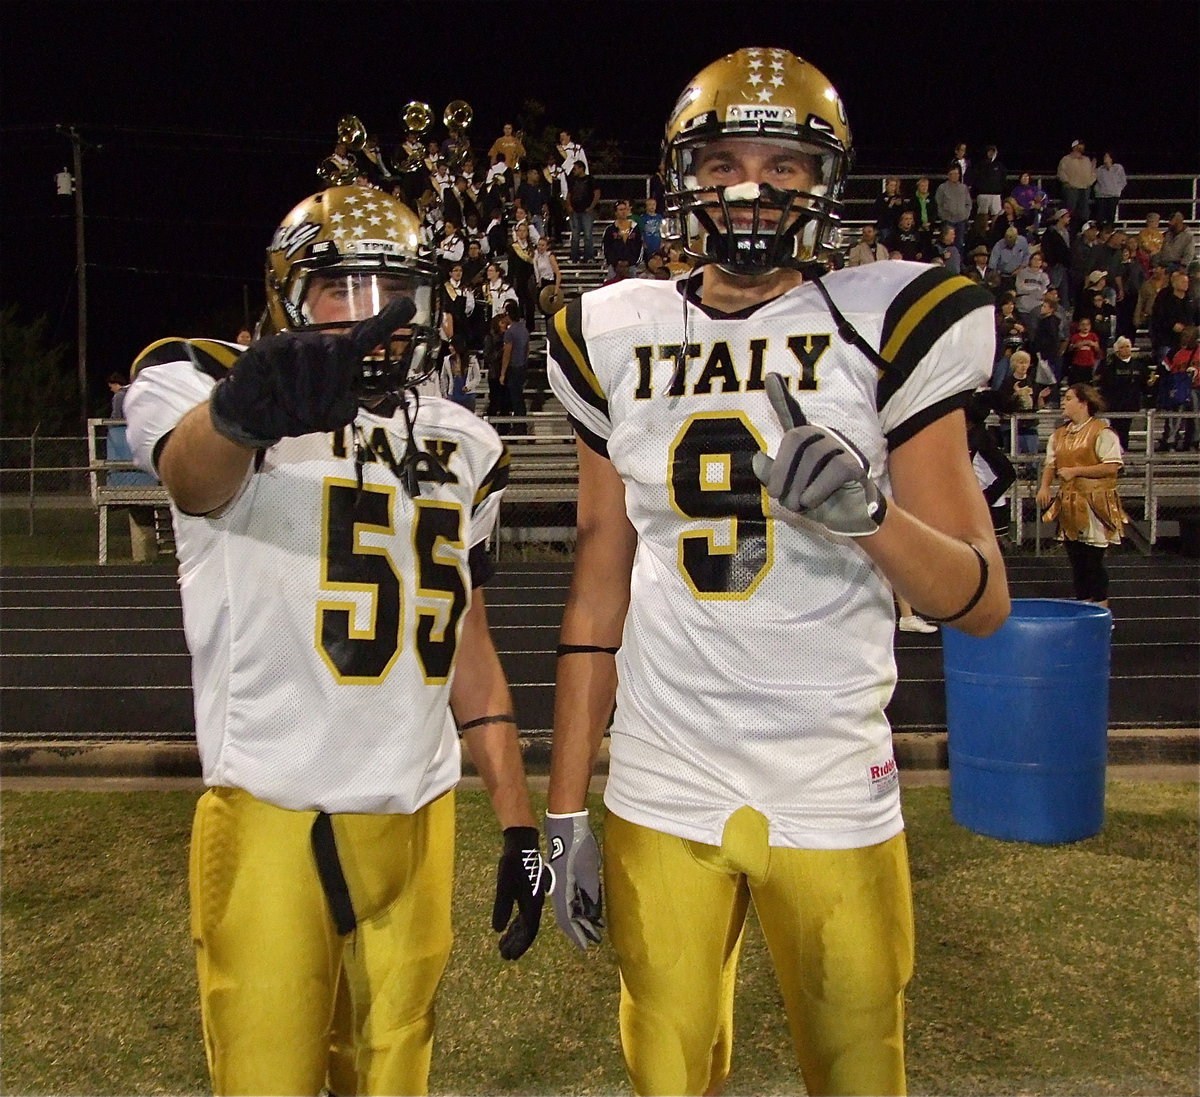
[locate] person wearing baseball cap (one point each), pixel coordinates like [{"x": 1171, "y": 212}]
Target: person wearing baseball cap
[{"x": 1076, "y": 174}]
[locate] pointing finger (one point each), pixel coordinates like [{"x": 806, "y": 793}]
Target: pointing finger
[
  {"x": 367, "y": 334},
  {"x": 788, "y": 412}
]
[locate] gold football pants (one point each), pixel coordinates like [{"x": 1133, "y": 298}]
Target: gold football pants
[
  {"x": 289, "y": 1006},
  {"x": 839, "y": 927}
]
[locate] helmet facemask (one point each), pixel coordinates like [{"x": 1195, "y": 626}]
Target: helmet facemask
[{"x": 753, "y": 226}]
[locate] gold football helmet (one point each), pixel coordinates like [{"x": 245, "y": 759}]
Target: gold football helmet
[
  {"x": 368, "y": 245},
  {"x": 772, "y": 197}
]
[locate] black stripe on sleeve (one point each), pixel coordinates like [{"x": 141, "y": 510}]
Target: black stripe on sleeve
[
  {"x": 495, "y": 480},
  {"x": 590, "y": 439},
  {"x": 906, "y": 430},
  {"x": 569, "y": 350},
  {"x": 209, "y": 356},
  {"x": 920, "y": 315}
]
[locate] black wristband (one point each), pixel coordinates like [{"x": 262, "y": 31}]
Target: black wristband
[
  {"x": 983, "y": 582},
  {"x": 573, "y": 649},
  {"x": 502, "y": 718}
]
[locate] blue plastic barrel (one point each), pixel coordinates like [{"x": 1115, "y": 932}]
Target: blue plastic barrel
[{"x": 1027, "y": 716}]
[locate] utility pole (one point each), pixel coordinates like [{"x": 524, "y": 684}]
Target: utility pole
[{"x": 73, "y": 184}]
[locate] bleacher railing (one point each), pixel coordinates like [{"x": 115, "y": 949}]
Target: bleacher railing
[{"x": 1160, "y": 488}]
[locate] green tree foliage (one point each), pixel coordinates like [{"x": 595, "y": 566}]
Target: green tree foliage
[{"x": 38, "y": 390}]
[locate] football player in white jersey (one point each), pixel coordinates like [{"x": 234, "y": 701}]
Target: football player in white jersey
[
  {"x": 738, "y": 607},
  {"x": 331, "y": 528}
]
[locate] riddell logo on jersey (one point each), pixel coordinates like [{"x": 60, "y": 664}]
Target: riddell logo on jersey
[{"x": 883, "y": 779}]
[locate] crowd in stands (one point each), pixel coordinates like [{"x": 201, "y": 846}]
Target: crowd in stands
[
  {"x": 1076, "y": 295},
  {"x": 1078, "y": 299}
]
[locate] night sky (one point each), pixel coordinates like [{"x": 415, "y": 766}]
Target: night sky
[{"x": 204, "y": 122}]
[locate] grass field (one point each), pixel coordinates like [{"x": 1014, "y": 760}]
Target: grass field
[{"x": 1041, "y": 970}]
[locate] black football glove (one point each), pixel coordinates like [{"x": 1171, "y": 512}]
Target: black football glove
[
  {"x": 521, "y": 878},
  {"x": 575, "y": 863},
  {"x": 299, "y": 382},
  {"x": 818, "y": 473}
]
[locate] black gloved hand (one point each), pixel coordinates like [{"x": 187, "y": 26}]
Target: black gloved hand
[
  {"x": 299, "y": 382},
  {"x": 521, "y": 878}
]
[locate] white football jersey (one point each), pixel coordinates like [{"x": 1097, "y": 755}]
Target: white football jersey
[
  {"x": 322, "y": 611},
  {"x": 757, "y": 657}
]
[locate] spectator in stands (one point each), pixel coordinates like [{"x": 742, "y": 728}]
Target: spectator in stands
[
  {"x": 888, "y": 207},
  {"x": 520, "y": 268},
  {"x": 1030, "y": 284},
  {"x": 977, "y": 268},
  {"x": 1176, "y": 378},
  {"x": 495, "y": 291},
  {"x": 1010, "y": 216},
  {"x": 1048, "y": 343},
  {"x": 1083, "y": 353},
  {"x": 993, "y": 469},
  {"x": 656, "y": 267},
  {"x": 677, "y": 262},
  {"x": 1076, "y": 174},
  {"x": 1031, "y": 198},
  {"x": 622, "y": 240},
  {"x": 960, "y": 161},
  {"x": 1098, "y": 307},
  {"x": 1110, "y": 184},
  {"x": 1106, "y": 256},
  {"x": 1009, "y": 254},
  {"x": 535, "y": 197},
  {"x": 989, "y": 183},
  {"x": 1011, "y": 331},
  {"x": 545, "y": 272},
  {"x": 571, "y": 153},
  {"x": 498, "y": 409},
  {"x": 1084, "y": 456},
  {"x": 953, "y": 201},
  {"x": 458, "y": 202},
  {"x": 509, "y": 146},
  {"x": 1017, "y": 395},
  {"x": 650, "y": 224},
  {"x": 514, "y": 360},
  {"x": 906, "y": 240},
  {"x": 1150, "y": 239},
  {"x": 1123, "y": 378},
  {"x": 619, "y": 273},
  {"x": 924, "y": 209},
  {"x": 1179, "y": 244},
  {"x": 582, "y": 196},
  {"x": 868, "y": 249},
  {"x": 946, "y": 250},
  {"x": 117, "y": 385},
  {"x": 1082, "y": 247},
  {"x": 1133, "y": 277},
  {"x": 450, "y": 246},
  {"x": 1151, "y": 288},
  {"x": 244, "y": 337},
  {"x": 556, "y": 182},
  {"x": 458, "y": 306},
  {"x": 1173, "y": 313},
  {"x": 1056, "y": 251}
]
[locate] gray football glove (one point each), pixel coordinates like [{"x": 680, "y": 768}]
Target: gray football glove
[
  {"x": 817, "y": 473},
  {"x": 575, "y": 868}
]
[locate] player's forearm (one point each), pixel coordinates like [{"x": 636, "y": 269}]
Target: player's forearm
[
  {"x": 482, "y": 706},
  {"x": 1095, "y": 472},
  {"x": 585, "y": 688},
  {"x": 939, "y": 574},
  {"x": 496, "y": 753},
  {"x": 201, "y": 468}
]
